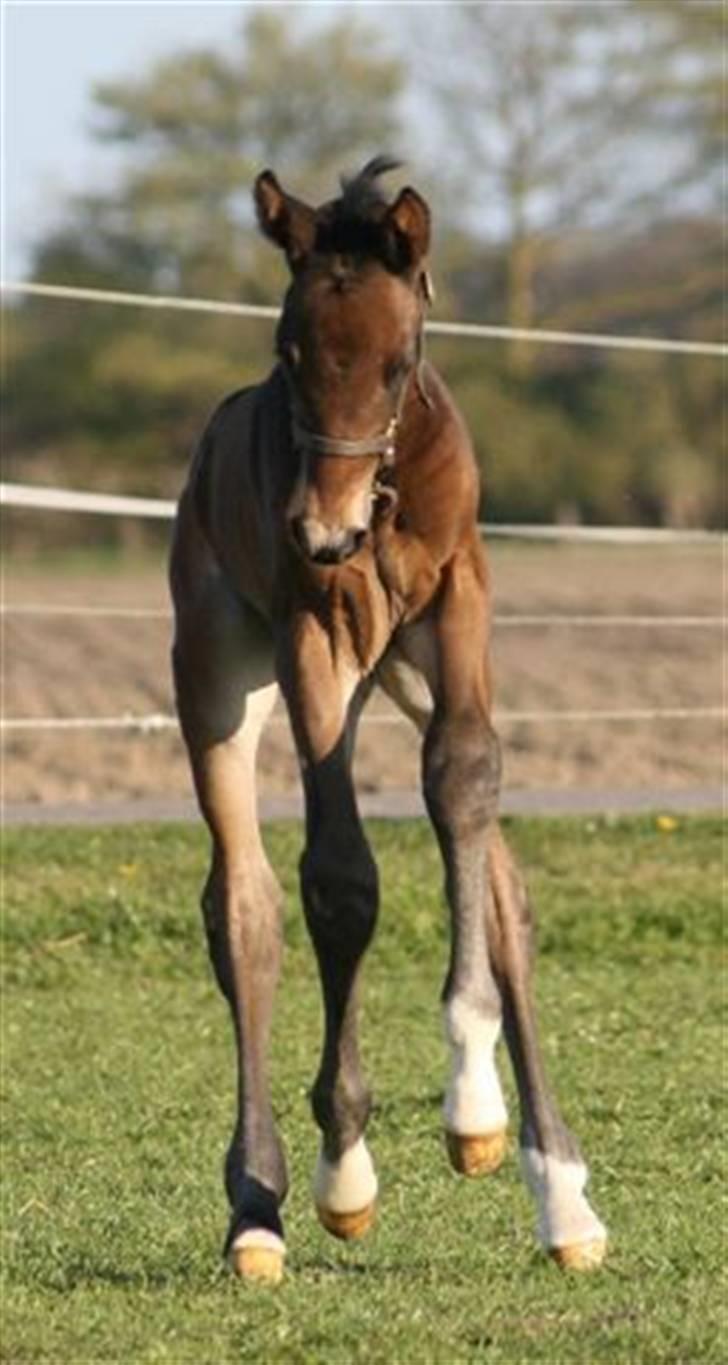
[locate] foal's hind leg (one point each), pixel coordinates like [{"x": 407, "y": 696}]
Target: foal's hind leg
[
  {"x": 224, "y": 697},
  {"x": 552, "y": 1163},
  {"x": 340, "y": 898}
]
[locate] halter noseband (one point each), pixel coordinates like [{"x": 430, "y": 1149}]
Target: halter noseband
[{"x": 383, "y": 445}]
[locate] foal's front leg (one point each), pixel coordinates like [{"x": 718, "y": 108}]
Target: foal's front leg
[
  {"x": 460, "y": 773},
  {"x": 460, "y": 778},
  {"x": 339, "y": 887},
  {"x": 223, "y": 675}
]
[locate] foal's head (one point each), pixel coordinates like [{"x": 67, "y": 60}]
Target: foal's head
[{"x": 348, "y": 341}]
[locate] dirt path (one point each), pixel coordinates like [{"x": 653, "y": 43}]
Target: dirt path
[
  {"x": 112, "y": 665},
  {"x": 383, "y": 805}
]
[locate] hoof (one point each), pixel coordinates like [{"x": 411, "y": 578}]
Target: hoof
[
  {"x": 347, "y": 1226},
  {"x": 476, "y": 1155},
  {"x": 258, "y": 1256},
  {"x": 580, "y": 1255}
]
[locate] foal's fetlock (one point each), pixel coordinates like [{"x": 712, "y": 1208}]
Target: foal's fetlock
[
  {"x": 255, "y": 1246},
  {"x": 568, "y": 1227},
  {"x": 258, "y": 1255},
  {"x": 474, "y": 1110},
  {"x": 345, "y": 1191}
]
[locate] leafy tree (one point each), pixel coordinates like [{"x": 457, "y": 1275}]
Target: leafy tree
[
  {"x": 569, "y": 118},
  {"x": 199, "y": 125},
  {"x": 115, "y": 395},
  {"x": 562, "y": 127},
  {"x": 684, "y": 85}
]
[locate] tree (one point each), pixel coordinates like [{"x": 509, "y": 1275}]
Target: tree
[
  {"x": 543, "y": 167},
  {"x": 117, "y": 396},
  {"x": 686, "y": 93},
  {"x": 568, "y": 118},
  {"x": 197, "y": 128}
]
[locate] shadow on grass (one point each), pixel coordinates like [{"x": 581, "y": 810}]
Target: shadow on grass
[
  {"x": 173, "y": 1276},
  {"x": 84, "y": 1274}
]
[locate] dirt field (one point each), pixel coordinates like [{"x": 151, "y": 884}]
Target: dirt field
[{"x": 109, "y": 666}]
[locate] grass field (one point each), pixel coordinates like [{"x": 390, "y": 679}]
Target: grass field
[{"x": 118, "y": 1080}]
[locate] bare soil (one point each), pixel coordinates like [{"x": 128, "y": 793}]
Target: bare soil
[{"x": 109, "y": 666}]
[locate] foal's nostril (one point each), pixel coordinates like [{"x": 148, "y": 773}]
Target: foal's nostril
[
  {"x": 346, "y": 545},
  {"x": 328, "y": 554},
  {"x": 324, "y": 546}
]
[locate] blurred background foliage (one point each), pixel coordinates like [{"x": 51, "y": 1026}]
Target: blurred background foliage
[{"x": 573, "y": 163}]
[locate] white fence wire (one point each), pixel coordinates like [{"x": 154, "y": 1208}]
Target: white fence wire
[
  {"x": 478, "y": 331},
  {"x": 662, "y": 621},
  {"x": 158, "y": 721},
  {"x": 112, "y": 504}
]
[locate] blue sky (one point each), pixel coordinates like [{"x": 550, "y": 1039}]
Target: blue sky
[{"x": 53, "y": 53}]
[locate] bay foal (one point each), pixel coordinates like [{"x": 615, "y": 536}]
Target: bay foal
[{"x": 326, "y": 541}]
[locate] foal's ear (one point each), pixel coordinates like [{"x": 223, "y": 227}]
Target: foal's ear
[
  {"x": 288, "y": 222},
  {"x": 409, "y": 218}
]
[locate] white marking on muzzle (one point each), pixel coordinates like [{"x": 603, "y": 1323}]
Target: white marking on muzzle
[{"x": 319, "y": 536}]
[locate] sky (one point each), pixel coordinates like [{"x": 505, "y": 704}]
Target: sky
[{"x": 52, "y": 55}]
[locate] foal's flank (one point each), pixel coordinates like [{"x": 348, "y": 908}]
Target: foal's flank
[{"x": 326, "y": 542}]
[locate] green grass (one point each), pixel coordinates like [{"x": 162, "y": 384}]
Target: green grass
[{"x": 118, "y": 1080}]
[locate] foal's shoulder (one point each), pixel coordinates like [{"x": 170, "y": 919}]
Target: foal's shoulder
[
  {"x": 449, "y": 413},
  {"x": 231, "y": 410},
  {"x": 248, "y": 413}
]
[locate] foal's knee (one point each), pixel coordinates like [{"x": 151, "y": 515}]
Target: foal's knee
[
  {"x": 340, "y": 889},
  {"x": 461, "y": 770}
]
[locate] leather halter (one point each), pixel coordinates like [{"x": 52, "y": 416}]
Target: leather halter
[{"x": 383, "y": 445}]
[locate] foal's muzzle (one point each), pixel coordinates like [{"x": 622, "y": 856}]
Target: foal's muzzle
[{"x": 324, "y": 546}]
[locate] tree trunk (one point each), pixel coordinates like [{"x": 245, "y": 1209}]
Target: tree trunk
[{"x": 521, "y": 267}]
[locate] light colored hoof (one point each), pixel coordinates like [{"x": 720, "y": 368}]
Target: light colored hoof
[
  {"x": 348, "y": 1226},
  {"x": 258, "y": 1255},
  {"x": 580, "y": 1255},
  {"x": 476, "y": 1155}
]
